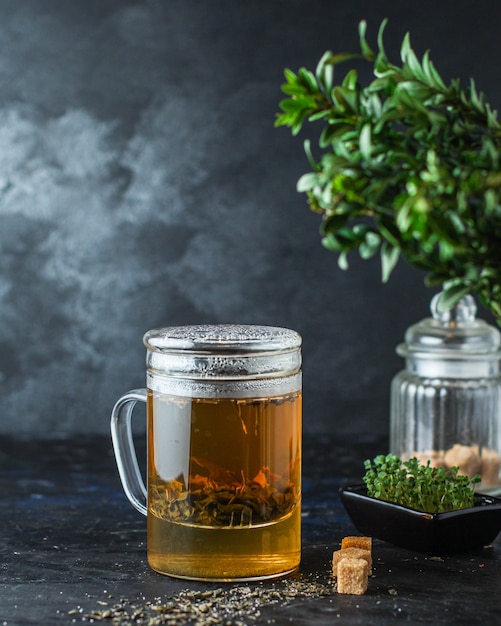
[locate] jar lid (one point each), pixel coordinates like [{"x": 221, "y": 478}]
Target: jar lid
[
  {"x": 455, "y": 340},
  {"x": 223, "y": 351}
]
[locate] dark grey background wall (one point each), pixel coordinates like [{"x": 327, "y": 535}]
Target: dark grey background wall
[{"x": 142, "y": 184}]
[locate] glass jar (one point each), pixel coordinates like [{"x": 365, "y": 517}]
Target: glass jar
[{"x": 446, "y": 405}]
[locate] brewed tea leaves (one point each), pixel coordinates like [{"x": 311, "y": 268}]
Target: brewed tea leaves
[{"x": 230, "y": 504}]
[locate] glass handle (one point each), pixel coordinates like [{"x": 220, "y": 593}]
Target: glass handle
[{"x": 125, "y": 453}]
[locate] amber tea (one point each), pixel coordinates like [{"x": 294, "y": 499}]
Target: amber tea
[{"x": 224, "y": 486}]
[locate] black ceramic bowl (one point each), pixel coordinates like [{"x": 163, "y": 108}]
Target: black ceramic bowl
[{"x": 431, "y": 533}]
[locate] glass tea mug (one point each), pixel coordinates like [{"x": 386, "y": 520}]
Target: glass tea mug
[
  {"x": 223, "y": 494},
  {"x": 446, "y": 403}
]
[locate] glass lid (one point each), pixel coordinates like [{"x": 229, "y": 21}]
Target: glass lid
[
  {"x": 452, "y": 343},
  {"x": 224, "y": 351},
  {"x": 236, "y": 338},
  {"x": 456, "y": 330}
]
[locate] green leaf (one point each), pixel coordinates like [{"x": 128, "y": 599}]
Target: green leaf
[
  {"x": 412, "y": 95},
  {"x": 317, "y": 116},
  {"x": 331, "y": 243},
  {"x": 451, "y": 295},
  {"x": 478, "y": 100},
  {"x": 332, "y": 132},
  {"x": 350, "y": 81},
  {"x": 307, "y": 182},
  {"x": 298, "y": 105},
  {"x": 334, "y": 223},
  {"x": 369, "y": 247},
  {"x": 365, "y": 142},
  {"x": 415, "y": 90},
  {"x": 307, "y": 78},
  {"x": 380, "y": 37},
  {"x": 374, "y": 106},
  {"x": 309, "y": 155},
  {"x": 294, "y": 89},
  {"x": 346, "y": 100},
  {"x": 410, "y": 59},
  {"x": 364, "y": 46},
  {"x": 336, "y": 59},
  {"x": 489, "y": 152},
  {"x": 290, "y": 76},
  {"x": 325, "y": 72},
  {"x": 389, "y": 259},
  {"x": 342, "y": 261},
  {"x": 432, "y": 77},
  {"x": 491, "y": 201},
  {"x": 492, "y": 121}
]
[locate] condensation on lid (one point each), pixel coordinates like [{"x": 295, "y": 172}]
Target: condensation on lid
[{"x": 222, "y": 338}]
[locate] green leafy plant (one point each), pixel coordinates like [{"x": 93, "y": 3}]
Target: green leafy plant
[
  {"x": 417, "y": 486},
  {"x": 408, "y": 167}
]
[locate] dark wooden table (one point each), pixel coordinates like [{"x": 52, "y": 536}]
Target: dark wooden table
[{"x": 72, "y": 547}]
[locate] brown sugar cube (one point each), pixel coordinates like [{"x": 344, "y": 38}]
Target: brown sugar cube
[
  {"x": 491, "y": 466},
  {"x": 365, "y": 543},
  {"x": 352, "y": 576},
  {"x": 464, "y": 457},
  {"x": 351, "y": 553}
]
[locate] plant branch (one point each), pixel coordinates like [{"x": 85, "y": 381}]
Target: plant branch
[{"x": 407, "y": 167}]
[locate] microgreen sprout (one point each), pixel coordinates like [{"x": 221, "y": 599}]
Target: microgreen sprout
[{"x": 417, "y": 486}]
